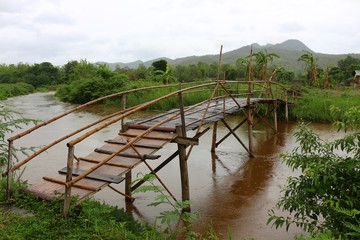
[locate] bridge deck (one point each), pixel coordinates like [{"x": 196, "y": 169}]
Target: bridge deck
[{"x": 114, "y": 170}]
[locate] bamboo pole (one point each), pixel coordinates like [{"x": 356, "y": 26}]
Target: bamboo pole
[
  {"x": 275, "y": 116},
  {"x": 184, "y": 175},
  {"x": 123, "y": 107},
  {"x": 128, "y": 193},
  {"x": 67, "y": 196},
  {"x": 9, "y": 171},
  {"x": 286, "y": 106}
]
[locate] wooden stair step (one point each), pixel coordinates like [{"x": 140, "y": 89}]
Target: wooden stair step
[
  {"x": 144, "y": 127},
  {"x": 95, "y": 175},
  {"x": 129, "y": 155},
  {"x": 135, "y": 144}
]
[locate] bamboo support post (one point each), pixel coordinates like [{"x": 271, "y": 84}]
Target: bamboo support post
[
  {"x": 67, "y": 196},
  {"x": 184, "y": 175},
  {"x": 123, "y": 107},
  {"x": 214, "y": 135},
  {"x": 128, "y": 192},
  {"x": 9, "y": 172},
  {"x": 286, "y": 106},
  {"x": 182, "y": 115},
  {"x": 275, "y": 116}
]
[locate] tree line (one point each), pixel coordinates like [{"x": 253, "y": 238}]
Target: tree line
[{"x": 81, "y": 81}]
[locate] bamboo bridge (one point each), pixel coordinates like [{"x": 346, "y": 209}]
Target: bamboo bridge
[{"x": 138, "y": 140}]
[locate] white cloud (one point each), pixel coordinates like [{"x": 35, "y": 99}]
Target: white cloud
[{"x": 110, "y": 30}]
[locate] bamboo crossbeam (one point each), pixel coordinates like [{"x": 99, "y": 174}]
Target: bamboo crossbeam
[{"x": 54, "y": 180}]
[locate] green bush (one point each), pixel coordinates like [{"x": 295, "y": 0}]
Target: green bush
[{"x": 326, "y": 195}]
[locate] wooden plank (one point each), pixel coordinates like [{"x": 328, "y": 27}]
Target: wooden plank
[
  {"x": 95, "y": 175},
  {"x": 127, "y": 162},
  {"x": 144, "y": 127},
  {"x": 114, "y": 141},
  {"x": 108, "y": 163},
  {"x": 146, "y": 137},
  {"x": 145, "y": 156}
]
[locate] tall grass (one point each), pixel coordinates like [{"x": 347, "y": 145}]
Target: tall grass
[{"x": 314, "y": 104}]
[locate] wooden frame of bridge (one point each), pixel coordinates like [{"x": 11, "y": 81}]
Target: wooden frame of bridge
[{"x": 138, "y": 141}]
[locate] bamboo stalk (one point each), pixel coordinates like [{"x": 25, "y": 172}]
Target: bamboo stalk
[{"x": 9, "y": 171}]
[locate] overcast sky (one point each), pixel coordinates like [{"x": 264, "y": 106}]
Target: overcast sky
[{"x": 57, "y": 31}]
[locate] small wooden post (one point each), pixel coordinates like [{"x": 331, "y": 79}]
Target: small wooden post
[
  {"x": 128, "y": 180},
  {"x": 248, "y": 111},
  {"x": 183, "y": 169},
  {"x": 9, "y": 172},
  {"x": 286, "y": 107},
  {"x": 250, "y": 134},
  {"x": 67, "y": 196},
  {"x": 213, "y": 143},
  {"x": 123, "y": 107},
  {"x": 275, "y": 116}
]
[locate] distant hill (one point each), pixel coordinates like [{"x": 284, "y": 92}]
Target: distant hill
[{"x": 289, "y": 52}]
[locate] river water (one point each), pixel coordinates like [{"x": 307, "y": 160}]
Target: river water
[{"x": 229, "y": 189}]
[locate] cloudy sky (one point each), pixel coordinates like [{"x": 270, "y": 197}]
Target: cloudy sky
[{"x": 57, "y": 31}]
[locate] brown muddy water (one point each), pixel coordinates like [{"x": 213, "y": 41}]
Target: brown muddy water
[{"x": 229, "y": 189}]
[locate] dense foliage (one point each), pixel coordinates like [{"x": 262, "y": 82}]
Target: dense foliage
[{"x": 326, "y": 194}]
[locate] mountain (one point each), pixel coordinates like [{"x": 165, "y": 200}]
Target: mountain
[{"x": 289, "y": 51}]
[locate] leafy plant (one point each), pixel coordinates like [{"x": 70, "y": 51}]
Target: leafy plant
[
  {"x": 171, "y": 216},
  {"x": 9, "y": 121},
  {"x": 329, "y": 181}
]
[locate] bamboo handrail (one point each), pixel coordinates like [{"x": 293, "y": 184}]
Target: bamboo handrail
[
  {"x": 37, "y": 153},
  {"x": 90, "y": 103},
  {"x": 126, "y": 146}
]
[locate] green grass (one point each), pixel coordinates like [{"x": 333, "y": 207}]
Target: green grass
[
  {"x": 314, "y": 104},
  {"x": 89, "y": 220}
]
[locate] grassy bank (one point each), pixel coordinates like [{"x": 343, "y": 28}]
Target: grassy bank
[
  {"x": 314, "y": 104},
  {"x": 88, "y": 220}
]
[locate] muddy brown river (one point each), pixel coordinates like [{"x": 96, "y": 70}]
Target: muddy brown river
[{"x": 229, "y": 189}]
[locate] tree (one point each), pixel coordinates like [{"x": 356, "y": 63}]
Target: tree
[
  {"x": 347, "y": 66},
  {"x": 262, "y": 59},
  {"x": 160, "y": 65},
  {"x": 310, "y": 66},
  {"x": 326, "y": 195}
]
